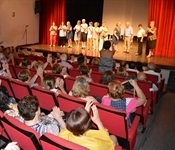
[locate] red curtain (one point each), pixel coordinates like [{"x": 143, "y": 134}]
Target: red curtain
[
  {"x": 51, "y": 10},
  {"x": 163, "y": 13}
]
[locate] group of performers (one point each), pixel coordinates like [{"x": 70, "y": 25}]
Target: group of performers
[{"x": 92, "y": 36}]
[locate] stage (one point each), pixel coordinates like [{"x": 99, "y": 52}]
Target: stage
[{"x": 163, "y": 62}]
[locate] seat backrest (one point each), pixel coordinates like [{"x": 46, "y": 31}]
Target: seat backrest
[
  {"x": 47, "y": 99},
  {"x": 151, "y": 77},
  {"x": 114, "y": 120},
  {"x": 97, "y": 89},
  {"x": 12, "y": 71},
  {"x": 26, "y": 137},
  {"x": 20, "y": 89},
  {"x": 74, "y": 72},
  {"x": 94, "y": 68},
  {"x": 52, "y": 142},
  {"x": 69, "y": 81},
  {"x": 132, "y": 73},
  {"x": 120, "y": 78},
  {"x": 6, "y": 83},
  {"x": 18, "y": 69},
  {"x": 145, "y": 87},
  {"x": 96, "y": 76},
  {"x": 68, "y": 103}
]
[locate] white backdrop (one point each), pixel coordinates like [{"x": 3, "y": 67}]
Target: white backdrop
[{"x": 134, "y": 11}]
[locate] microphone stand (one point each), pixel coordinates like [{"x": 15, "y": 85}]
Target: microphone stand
[{"x": 25, "y": 33}]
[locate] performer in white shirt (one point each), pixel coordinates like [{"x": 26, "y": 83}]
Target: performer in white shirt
[
  {"x": 128, "y": 37},
  {"x": 53, "y": 34},
  {"x": 95, "y": 36},
  {"x": 77, "y": 34},
  {"x": 62, "y": 34},
  {"x": 140, "y": 36},
  {"x": 89, "y": 36},
  {"x": 84, "y": 30},
  {"x": 103, "y": 31}
]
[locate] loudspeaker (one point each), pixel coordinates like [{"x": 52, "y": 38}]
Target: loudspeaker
[{"x": 37, "y": 6}]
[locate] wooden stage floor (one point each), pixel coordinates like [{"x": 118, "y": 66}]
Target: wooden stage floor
[{"x": 163, "y": 62}]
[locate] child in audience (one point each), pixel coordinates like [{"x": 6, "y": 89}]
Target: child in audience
[
  {"x": 78, "y": 124},
  {"x": 85, "y": 72}
]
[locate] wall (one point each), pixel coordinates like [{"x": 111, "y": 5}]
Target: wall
[
  {"x": 134, "y": 11},
  {"x": 12, "y": 25}
]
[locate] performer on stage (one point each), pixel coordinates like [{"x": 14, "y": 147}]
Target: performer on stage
[
  {"x": 95, "y": 36},
  {"x": 89, "y": 36},
  {"x": 140, "y": 36},
  {"x": 53, "y": 34},
  {"x": 84, "y": 30},
  {"x": 69, "y": 34},
  {"x": 128, "y": 33},
  {"x": 116, "y": 35},
  {"x": 103, "y": 35},
  {"x": 77, "y": 34},
  {"x": 62, "y": 34},
  {"x": 151, "y": 38}
]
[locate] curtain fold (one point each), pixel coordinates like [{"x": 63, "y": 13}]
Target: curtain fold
[
  {"x": 51, "y": 10},
  {"x": 162, "y": 12}
]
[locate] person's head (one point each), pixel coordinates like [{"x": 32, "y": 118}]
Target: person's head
[
  {"x": 78, "y": 121},
  {"x": 140, "y": 26},
  {"x": 63, "y": 57},
  {"x": 107, "y": 77},
  {"x": 151, "y": 66},
  {"x": 68, "y": 23},
  {"x": 53, "y": 23},
  {"x": 132, "y": 65},
  {"x": 95, "y": 61},
  {"x": 80, "y": 60},
  {"x": 62, "y": 23},
  {"x": 78, "y": 22},
  {"x": 123, "y": 64},
  {"x": 157, "y": 69},
  {"x": 84, "y": 70},
  {"x": 24, "y": 75},
  {"x": 45, "y": 54},
  {"x": 139, "y": 66},
  {"x": 25, "y": 62},
  {"x": 127, "y": 24},
  {"x": 115, "y": 89},
  {"x": 49, "y": 82},
  {"x": 83, "y": 21},
  {"x": 118, "y": 24},
  {"x": 152, "y": 24},
  {"x": 91, "y": 23},
  {"x": 141, "y": 76},
  {"x": 4, "y": 99},
  {"x": 57, "y": 69},
  {"x": 80, "y": 87},
  {"x": 28, "y": 107},
  {"x": 96, "y": 24},
  {"x": 106, "y": 44}
]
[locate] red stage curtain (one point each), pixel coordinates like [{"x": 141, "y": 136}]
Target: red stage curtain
[
  {"x": 162, "y": 12},
  {"x": 51, "y": 10}
]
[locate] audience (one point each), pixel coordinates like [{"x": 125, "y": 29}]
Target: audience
[
  {"x": 107, "y": 77},
  {"x": 78, "y": 124},
  {"x": 81, "y": 89},
  {"x": 95, "y": 61},
  {"x": 5, "y": 67},
  {"x": 29, "y": 110},
  {"x": 25, "y": 62},
  {"x": 132, "y": 66},
  {"x": 115, "y": 98},
  {"x": 139, "y": 67},
  {"x": 85, "y": 72},
  {"x": 121, "y": 71},
  {"x": 64, "y": 62}
]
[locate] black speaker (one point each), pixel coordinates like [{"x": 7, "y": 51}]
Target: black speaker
[{"x": 37, "y": 6}]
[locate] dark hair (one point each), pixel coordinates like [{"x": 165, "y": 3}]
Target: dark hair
[
  {"x": 45, "y": 54},
  {"x": 140, "y": 25},
  {"x": 84, "y": 70},
  {"x": 24, "y": 75},
  {"x": 139, "y": 66},
  {"x": 106, "y": 44},
  {"x": 57, "y": 69},
  {"x": 27, "y": 107},
  {"x": 4, "y": 96},
  {"x": 107, "y": 77},
  {"x": 25, "y": 62},
  {"x": 78, "y": 121},
  {"x": 49, "y": 82},
  {"x": 80, "y": 60},
  {"x": 122, "y": 63},
  {"x": 132, "y": 65}
]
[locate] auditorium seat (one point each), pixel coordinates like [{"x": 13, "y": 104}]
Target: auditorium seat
[
  {"x": 115, "y": 121},
  {"x": 47, "y": 99},
  {"x": 73, "y": 72},
  {"x": 96, "y": 76},
  {"x": 6, "y": 83},
  {"x": 20, "y": 89},
  {"x": 52, "y": 142},
  {"x": 69, "y": 81},
  {"x": 25, "y": 136}
]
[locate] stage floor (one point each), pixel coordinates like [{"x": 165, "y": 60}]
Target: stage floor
[{"x": 163, "y": 62}]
